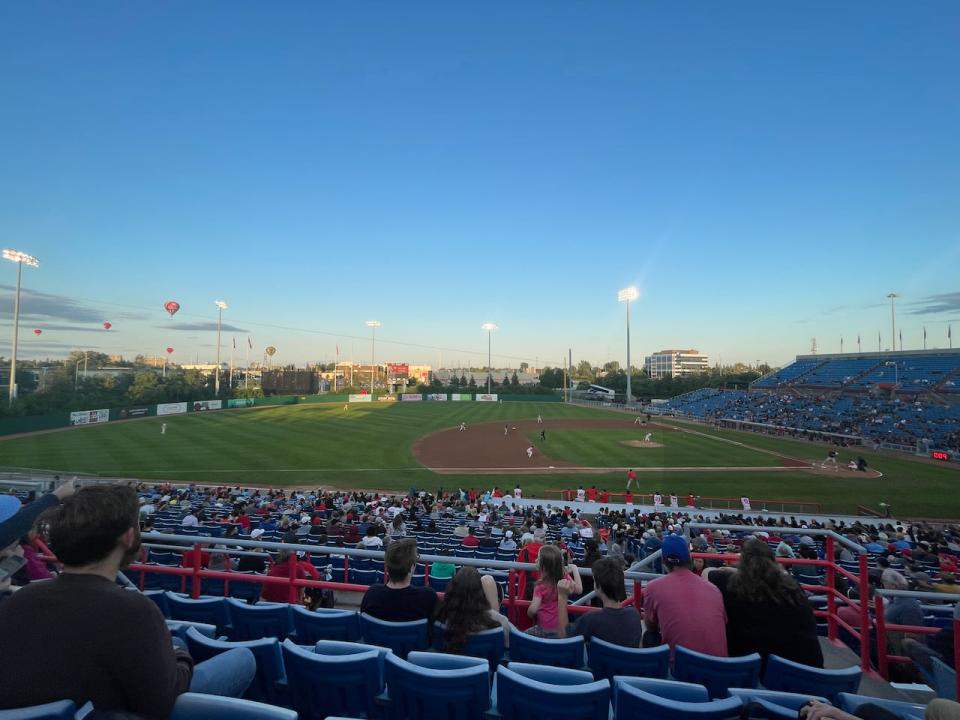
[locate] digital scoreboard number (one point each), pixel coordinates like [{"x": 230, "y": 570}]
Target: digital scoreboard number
[{"x": 940, "y": 455}]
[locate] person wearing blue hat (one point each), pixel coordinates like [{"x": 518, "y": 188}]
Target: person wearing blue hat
[{"x": 681, "y": 608}]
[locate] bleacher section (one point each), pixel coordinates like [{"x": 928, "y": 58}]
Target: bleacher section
[{"x": 911, "y": 371}]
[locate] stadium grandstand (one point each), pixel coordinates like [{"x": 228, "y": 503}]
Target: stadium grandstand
[
  {"x": 290, "y": 580},
  {"x": 902, "y": 400}
]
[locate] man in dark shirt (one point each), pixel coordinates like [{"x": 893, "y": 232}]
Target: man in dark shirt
[
  {"x": 614, "y": 624},
  {"x": 398, "y": 600},
  {"x": 82, "y": 637}
]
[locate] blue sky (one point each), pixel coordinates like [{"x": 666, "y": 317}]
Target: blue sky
[{"x": 765, "y": 172}]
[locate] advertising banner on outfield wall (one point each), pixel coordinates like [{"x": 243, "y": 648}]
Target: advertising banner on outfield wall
[
  {"x": 460, "y": 397},
  {"x": 360, "y": 398},
  {"x": 486, "y": 397},
  {"x": 240, "y": 402},
  {"x": 387, "y": 398},
  {"x": 134, "y": 412},
  {"x": 437, "y": 396},
  {"x": 411, "y": 397},
  {"x": 171, "y": 408},
  {"x": 89, "y": 417},
  {"x": 201, "y": 405}
]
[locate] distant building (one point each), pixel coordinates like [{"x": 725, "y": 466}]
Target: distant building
[{"x": 676, "y": 363}]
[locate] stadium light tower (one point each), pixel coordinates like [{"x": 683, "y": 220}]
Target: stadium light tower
[
  {"x": 489, "y": 327},
  {"x": 628, "y": 295},
  {"x": 373, "y": 325},
  {"x": 221, "y": 306},
  {"x": 893, "y": 320},
  {"x": 19, "y": 258}
]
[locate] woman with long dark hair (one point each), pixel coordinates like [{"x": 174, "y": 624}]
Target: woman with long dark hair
[
  {"x": 464, "y": 610},
  {"x": 767, "y": 611}
]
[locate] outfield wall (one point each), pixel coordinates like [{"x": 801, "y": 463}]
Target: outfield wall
[{"x": 99, "y": 416}]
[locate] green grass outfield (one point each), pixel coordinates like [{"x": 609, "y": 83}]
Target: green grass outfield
[{"x": 368, "y": 446}]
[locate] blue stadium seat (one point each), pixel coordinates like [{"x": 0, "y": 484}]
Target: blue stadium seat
[
  {"x": 194, "y": 706},
  {"x": 401, "y": 637},
  {"x": 328, "y": 684},
  {"x": 430, "y": 686},
  {"x": 439, "y": 584},
  {"x": 60, "y": 710},
  {"x": 631, "y": 701},
  {"x": 242, "y": 589},
  {"x": 252, "y": 622},
  {"x": 179, "y": 628},
  {"x": 606, "y": 660},
  {"x": 525, "y": 648},
  {"x": 716, "y": 673},
  {"x": 788, "y": 676},
  {"x": 670, "y": 689},
  {"x": 488, "y": 644},
  {"x": 851, "y": 703},
  {"x": 265, "y": 686},
  {"x": 771, "y": 704},
  {"x": 337, "y": 647},
  {"x": 212, "y": 611},
  {"x": 529, "y": 692},
  {"x": 160, "y": 598},
  {"x": 324, "y": 624}
]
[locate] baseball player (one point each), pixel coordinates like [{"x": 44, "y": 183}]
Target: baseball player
[
  {"x": 647, "y": 437},
  {"x": 530, "y": 452},
  {"x": 163, "y": 429},
  {"x": 636, "y": 420},
  {"x": 506, "y": 429},
  {"x": 631, "y": 478},
  {"x": 539, "y": 419},
  {"x": 517, "y": 492},
  {"x": 463, "y": 426},
  {"x": 831, "y": 458}
]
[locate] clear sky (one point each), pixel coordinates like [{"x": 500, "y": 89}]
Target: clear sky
[{"x": 765, "y": 172}]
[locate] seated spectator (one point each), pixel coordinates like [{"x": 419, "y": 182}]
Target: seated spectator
[
  {"x": 899, "y": 610},
  {"x": 470, "y": 541},
  {"x": 767, "y": 611},
  {"x": 101, "y": 643},
  {"x": 543, "y": 608},
  {"x": 508, "y": 544},
  {"x": 220, "y": 560},
  {"x": 371, "y": 541},
  {"x": 669, "y": 603},
  {"x": 278, "y": 592},
  {"x": 36, "y": 568},
  {"x": 253, "y": 563},
  {"x": 615, "y": 624},
  {"x": 936, "y": 646},
  {"x": 398, "y": 600},
  {"x": 465, "y": 609}
]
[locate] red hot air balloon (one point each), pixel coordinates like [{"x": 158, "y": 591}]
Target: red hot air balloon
[
  {"x": 38, "y": 332},
  {"x": 169, "y": 351},
  {"x": 171, "y": 306},
  {"x": 107, "y": 325}
]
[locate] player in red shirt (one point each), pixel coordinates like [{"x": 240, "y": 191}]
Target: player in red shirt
[
  {"x": 604, "y": 497},
  {"x": 628, "y": 497},
  {"x": 592, "y": 494},
  {"x": 631, "y": 477}
]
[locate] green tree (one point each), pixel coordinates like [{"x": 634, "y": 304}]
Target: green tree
[
  {"x": 506, "y": 382},
  {"x": 472, "y": 384},
  {"x": 514, "y": 381},
  {"x": 146, "y": 389}
]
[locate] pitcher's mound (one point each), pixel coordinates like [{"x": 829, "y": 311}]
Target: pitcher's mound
[{"x": 641, "y": 443}]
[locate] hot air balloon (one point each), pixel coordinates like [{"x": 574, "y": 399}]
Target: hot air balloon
[
  {"x": 270, "y": 350},
  {"x": 38, "y": 332},
  {"x": 169, "y": 351},
  {"x": 107, "y": 325},
  {"x": 171, "y": 306}
]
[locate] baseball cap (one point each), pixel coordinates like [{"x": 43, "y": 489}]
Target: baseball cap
[
  {"x": 539, "y": 534},
  {"x": 256, "y": 533},
  {"x": 9, "y": 506},
  {"x": 675, "y": 550},
  {"x": 508, "y": 533}
]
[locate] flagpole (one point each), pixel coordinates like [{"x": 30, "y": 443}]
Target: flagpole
[
  {"x": 233, "y": 349},
  {"x": 924, "y": 337},
  {"x": 246, "y": 372},
  {"x": 841, "y": 346}
]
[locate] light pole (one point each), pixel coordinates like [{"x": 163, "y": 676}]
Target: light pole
[
  {"x": 896, "y": 371},
  {"x": 221, "y": 306},
  {"x": 489, "y": 327},
  {"x": 373, "y": 325},
  {"x": 893, "y": 320},
  {"x": 628, "y": 295},
  {"x": 19, "y": 258}
]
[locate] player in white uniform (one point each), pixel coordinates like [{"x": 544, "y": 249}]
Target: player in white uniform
[
  {"x": 517, "y": 492},
  {"x": 530, "y": 452},
  {"x": 647, "y": 437},
  {"x": 636, "y": 420},
  {"x": 463, "y": 426},
  {"x": 163, "y": 429},
  {"x": 657, "y": 500},
  {"x": 539, "y": 419},
  {"x": 581, "y": 494}
]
